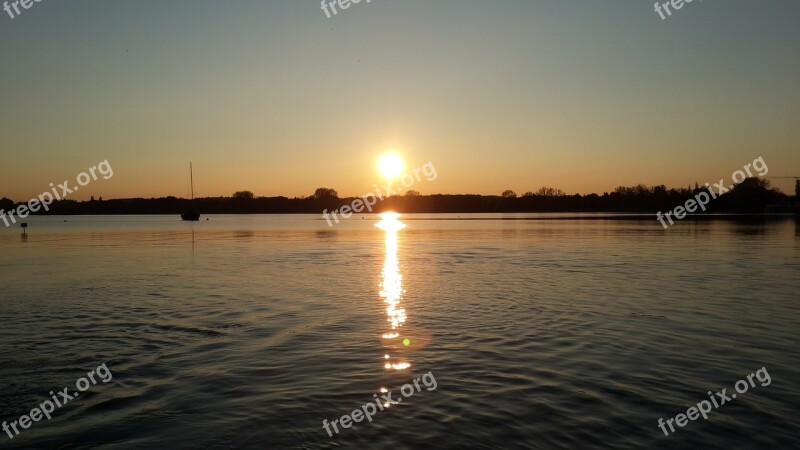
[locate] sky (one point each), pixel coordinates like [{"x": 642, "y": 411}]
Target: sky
[{"x": 276, "y": 98}]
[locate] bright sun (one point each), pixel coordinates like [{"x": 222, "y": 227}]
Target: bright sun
[{"x": 390, "y": 165}]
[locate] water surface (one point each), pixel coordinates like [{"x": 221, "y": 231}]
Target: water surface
[{"x": 248, "y": 331}]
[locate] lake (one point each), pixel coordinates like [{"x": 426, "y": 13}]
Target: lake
[{"x": 541, "y": 331}]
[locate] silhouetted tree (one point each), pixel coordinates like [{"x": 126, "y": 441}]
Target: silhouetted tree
[
  {"x": 754, "y": 183},
  {"x": 6, "y": 204},
  {"x": 243, "y": 195},
  {"x": 509, "y": 194},
  {"x": 751, "y": 195},
  {"x": 412, "y": 193},
  {"x": 325, "y": 193},
  {"x": 550, "y": 192},
  {"x": 639, "y": 189}
]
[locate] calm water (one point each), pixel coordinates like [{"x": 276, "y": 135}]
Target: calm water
[{"x": 248, "y": 331}]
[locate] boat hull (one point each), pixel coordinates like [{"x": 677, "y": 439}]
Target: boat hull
[{"x": 191, "y": 216}]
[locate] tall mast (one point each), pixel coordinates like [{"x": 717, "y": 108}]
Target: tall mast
[{"x": 191, "y": 178}]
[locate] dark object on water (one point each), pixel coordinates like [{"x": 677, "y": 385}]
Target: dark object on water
[
  {"x": 24, "y": 225},
  {"x": 192, "y": 215}
]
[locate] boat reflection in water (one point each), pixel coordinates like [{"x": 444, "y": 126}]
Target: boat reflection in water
[{"x": 392, "y": 292}]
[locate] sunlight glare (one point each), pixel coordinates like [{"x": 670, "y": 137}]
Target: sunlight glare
[{"x": 390, "y": 165}]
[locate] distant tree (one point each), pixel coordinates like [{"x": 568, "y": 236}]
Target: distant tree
[
  {"x": 751, "y": 195},
  {"x": 550, "y": 192},
  {"x": 243, "y": 195},
  {"x": 412, "y": 193},
  {"x": 325, "y": 193},
  {"x": 509, "y": 194},
  {"x": 7, "y": 204},
  {"x": 639, "y": 189},
  {"x": 754, "y": 183},
  {"x": 529, "y": 194},
  {"x": 91, "y": 199}
]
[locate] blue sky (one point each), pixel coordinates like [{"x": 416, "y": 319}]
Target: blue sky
[{"x": 274, "y": 97}]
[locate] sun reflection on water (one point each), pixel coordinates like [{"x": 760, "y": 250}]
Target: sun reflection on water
[{"x": 392, "y": 290}]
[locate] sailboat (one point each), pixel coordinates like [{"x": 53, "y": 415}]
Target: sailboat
[{"x": 191, "y": 214}]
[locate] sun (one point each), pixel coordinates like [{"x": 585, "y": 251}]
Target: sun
[{"x": 390, "y": 165}]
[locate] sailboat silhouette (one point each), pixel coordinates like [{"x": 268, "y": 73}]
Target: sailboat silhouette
[{"x": 191, "y": 214}]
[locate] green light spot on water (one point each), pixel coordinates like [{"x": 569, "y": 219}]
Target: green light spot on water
[{"x": 406, "y": 342}]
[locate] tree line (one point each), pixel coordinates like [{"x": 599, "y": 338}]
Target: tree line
[{"x": 750, "y": 196}]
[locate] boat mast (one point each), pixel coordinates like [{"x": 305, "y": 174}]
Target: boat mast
[{"x": 191, "y": 178}]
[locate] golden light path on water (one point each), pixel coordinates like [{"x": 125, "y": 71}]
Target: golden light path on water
[{"x": 392, "y": 292}]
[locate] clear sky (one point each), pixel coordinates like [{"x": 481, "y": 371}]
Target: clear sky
[{"x": 273, "y": 97}]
